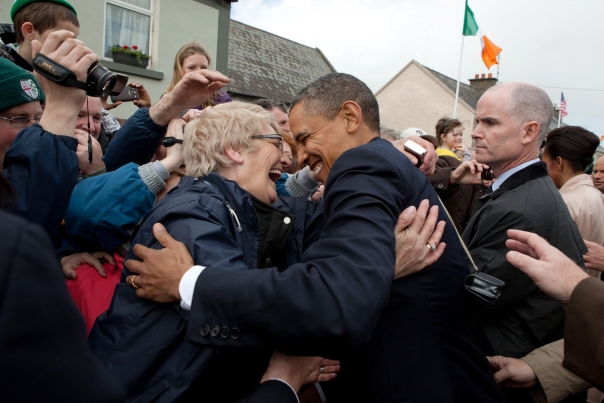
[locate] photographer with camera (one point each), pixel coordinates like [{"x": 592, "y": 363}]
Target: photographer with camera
[{"x": 41, "y": 163}]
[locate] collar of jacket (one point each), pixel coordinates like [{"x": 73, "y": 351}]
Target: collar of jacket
[
  {"x": 531, "y": 172},
  {"x": 236, "y": 197}
]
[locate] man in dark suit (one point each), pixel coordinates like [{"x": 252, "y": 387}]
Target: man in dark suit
[
  {"x": 414, "y": 339},
  {"x": 513, "y": 120}
]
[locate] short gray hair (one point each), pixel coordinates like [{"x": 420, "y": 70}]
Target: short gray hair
[
  {"x": 326, "y": 96},
  {"x": 231, "y": 124},
  {"x": 386, "y": 131},
  {"x": 529, "y": 103}
]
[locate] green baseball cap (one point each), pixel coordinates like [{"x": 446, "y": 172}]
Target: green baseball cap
[{"x": 19, "y": 4}]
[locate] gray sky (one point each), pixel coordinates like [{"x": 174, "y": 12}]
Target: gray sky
[{"x": 552, "y": 43}]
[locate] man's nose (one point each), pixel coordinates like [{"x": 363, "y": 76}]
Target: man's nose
[{"x": 302, "y": 156}]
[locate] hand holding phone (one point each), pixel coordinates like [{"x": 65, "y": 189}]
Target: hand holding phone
[
  {"x": 416, "y": 150},
  {"x": 129, "y": 93}
]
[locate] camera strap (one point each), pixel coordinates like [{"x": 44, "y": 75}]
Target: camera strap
[
  {"x": 56, "y": 72},
  {"x": 484, "y": 286}
]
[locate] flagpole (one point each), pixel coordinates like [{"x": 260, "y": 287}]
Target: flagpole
[
  {"x": 458, "y": 79},
  {"x": 559, "y": 116},
  {"x": 498, "y": 63}
]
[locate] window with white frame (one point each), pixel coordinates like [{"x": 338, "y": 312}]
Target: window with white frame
[{"x": 128, "y": 22}]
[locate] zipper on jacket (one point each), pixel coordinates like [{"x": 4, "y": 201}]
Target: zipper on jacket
[
  {"x": 230, "y": 209},
  {"x": 234, "y": 215}
]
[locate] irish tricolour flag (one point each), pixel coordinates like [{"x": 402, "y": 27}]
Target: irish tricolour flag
[{"x": 490, "y": 51}]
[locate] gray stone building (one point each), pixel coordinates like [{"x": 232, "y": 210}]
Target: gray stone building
[{"x": 264, "y": 65}]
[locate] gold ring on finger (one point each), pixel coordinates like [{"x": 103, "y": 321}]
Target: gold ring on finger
[
  {"x": 431, "y": 246},
  {"x": 322, "y": 369},
  {"x": 132, "y": 281}
]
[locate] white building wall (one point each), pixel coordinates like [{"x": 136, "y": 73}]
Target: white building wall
[{"x": 414, "y": 99}]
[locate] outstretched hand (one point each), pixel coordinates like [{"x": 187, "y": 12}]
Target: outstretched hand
[
  {"x": 551, "y": 270},
  {"x": 428, "y": 161},
  {"x": 512, "y": 372},
  {"x": 158, "y": 274},
  {"x": 594, "y": 258},
  {"x": 417, "y": 239},
  {"x": 192, "y": 90},
  {"x": 469, "y": 173},
  {"x": 297, "y": 371},
  {"x": 70, "y": 263}
]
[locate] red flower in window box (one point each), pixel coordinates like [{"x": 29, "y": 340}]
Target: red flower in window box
[{"x": 141, "y": 59}]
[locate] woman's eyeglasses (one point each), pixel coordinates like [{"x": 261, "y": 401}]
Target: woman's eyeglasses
[
  {"x": 271, "y": 137},
  {"x": 21, "y": 121}
]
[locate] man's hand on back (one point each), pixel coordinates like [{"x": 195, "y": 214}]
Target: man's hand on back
[{"x": 158, "y": 274}]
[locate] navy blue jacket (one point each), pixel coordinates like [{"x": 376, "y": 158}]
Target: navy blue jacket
[
  {"x": 142, "y": 342},
  {"x": 136, "y": 141},
  {"x": 412, "y": 340},
  {"x": 43, "y": 169}
]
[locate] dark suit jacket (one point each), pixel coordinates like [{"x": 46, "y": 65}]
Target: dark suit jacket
[
  {"x": 273, "y": 392},
  {"x": 584, "y": 332},
  {"x": 523, "y": 318},
  {"x": 411, "y": 340},
  {"x": 44, "y": 356}
]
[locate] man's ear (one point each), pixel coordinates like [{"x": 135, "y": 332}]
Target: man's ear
[
  {"x": 234, "y": 155},
  {"x": 352, "y": 115},
  {"x": 28, "y": 31},
  {"x": 530, "y": 132}
]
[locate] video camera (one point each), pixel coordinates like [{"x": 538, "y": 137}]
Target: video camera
[{"x": 99, "y": 81}]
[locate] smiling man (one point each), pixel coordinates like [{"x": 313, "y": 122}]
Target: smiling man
[
  {"x": 512, "y": 121},
  {"x": 414, "y": 339}
]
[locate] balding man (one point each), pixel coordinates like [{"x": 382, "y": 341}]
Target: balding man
[
  {"x": 597, "y": 174},
  {"x": 512, "y": 121}
]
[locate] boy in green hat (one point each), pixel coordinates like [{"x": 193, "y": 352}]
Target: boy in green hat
[{"x": 35, "y": 19}]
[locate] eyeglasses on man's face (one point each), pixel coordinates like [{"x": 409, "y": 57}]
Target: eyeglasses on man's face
[
  {"x": 20, "y": 121},
  {"x": 271, "y": 137}
]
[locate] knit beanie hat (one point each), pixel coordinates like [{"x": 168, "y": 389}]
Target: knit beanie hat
[
  {"x": 17, "y": 86},
  {"x": 19, "y": 4}
]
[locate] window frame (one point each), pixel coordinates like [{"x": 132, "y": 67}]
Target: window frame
[{"x": 131, "y": 7}]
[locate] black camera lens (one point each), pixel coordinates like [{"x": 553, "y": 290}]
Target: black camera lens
[{"x": 102, "y": 82}]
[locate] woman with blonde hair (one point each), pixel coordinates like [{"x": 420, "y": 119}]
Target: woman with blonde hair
[
  {"x": 193, "y": 57},
  {"x": 224, "y": 212}
]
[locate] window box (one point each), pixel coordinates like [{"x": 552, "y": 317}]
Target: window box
[{"x": 130, "y": 60}]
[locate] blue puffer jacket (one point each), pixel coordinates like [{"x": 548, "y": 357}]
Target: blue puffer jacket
[
  {"x": 103, "y": 208},
  {"x": 142, "y": 342}
]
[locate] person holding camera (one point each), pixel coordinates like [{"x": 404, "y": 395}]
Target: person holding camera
[{"x": 41, "y": 163}]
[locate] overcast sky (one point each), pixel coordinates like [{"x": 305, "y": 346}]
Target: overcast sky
[{"x": 553, "y": 43}]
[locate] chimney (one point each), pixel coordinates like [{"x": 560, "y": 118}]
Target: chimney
[{"x": 482, "y": 83}]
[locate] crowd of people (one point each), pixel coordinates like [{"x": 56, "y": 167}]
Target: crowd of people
[{"x": 210, "y": 249}]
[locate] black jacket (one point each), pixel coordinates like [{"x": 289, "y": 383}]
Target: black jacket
[
  {"x": 43, "y": 352},
  {"x": 524, "y": 318},
  {"x": 412, "y": 340}
]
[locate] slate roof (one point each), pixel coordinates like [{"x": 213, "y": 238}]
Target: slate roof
[
  {"x": 264, "y": 65},
  {"x": 468, "y": 94}
]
